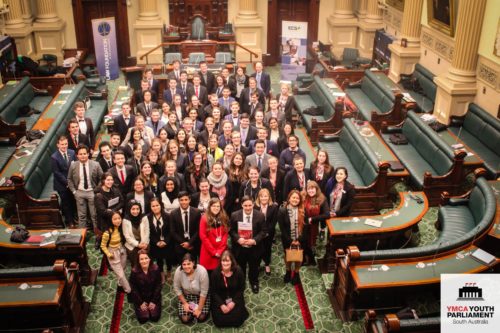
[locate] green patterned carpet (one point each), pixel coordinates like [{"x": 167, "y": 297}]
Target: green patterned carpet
[{"x": 274, "y": 309}]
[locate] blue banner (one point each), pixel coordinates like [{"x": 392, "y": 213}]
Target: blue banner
[{"x": 106, "y": 53}]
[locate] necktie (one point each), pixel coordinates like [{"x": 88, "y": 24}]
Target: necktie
[
  {"x": 258, "y": 81},
  {"x": 137, "y": 166},
  {"x": 122, "y": 176},
  {"x": 196, "y": 92},
  {"x": 248, "y": 219},
  {"x": 110, "y": 164},
  {"x": 66, "y": 158},
  {"x": 76, "y": 140},
  {"x": 186, "y": 221},
  {"x": 177, "y": 75},
  {"x": 184, "y": 89},
  {"x": 173, "y": 94},
  {"x": 85, "y": 179},
  {"x": 259, "y": 163}
]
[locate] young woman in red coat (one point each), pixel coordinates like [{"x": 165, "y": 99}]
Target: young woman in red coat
[{"x": 214, "y": 229}]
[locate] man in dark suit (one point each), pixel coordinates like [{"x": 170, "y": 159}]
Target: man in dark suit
[
  {"x": 61, "y": 160},
  {"x": 225, "y": 137},
  {"x": 185, "y": 223},
  {"x": 207, "y": 78},
  {"x": 198, "y": 90},
  {"x": 123, "y": 174},
  {"x": 168, "y": 94},
  {"x": 247, "y": 232},
  {"x": 147, "y": 105},
  {"x": 139, "y": 95},
  {"x": 84, "y": 176},
  {"x": 105, "y": 157},
  {"x": 123, "y": 122},
  {"x": 263, "y": 79},
  {"x": 248, "y": 132},
  {"x": 153, "y": 83},
  {"x": 271, "y": 147},
  {"x": 287, "y": 156},
  {"x": 246, "y": 94},
  {"x": 75, "y": 138},
  {"x": 260, "y": 158},
  {"x": 176, "y": 71},
  {"x": 236, "y": 141},
  {"x": 185, "y": 86},
  {"x": 85, "y": 123}
]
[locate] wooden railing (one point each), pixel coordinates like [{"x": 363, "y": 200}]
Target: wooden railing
[{"x": 235, "y": 44}]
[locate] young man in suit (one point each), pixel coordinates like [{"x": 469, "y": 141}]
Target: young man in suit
[
  {"x": 270, "y": 146},
  {"x": 247, "y": 231},
  {"x": 236, "y": 141},
  {"x": 274, "y": 112},
  {"x": 75, "y": 138},
  {"x": 84, "y": 176},
  {"x": 105, "y": 158},
  {"x": 176, "y": 71},
  {"x": 214, "y": 103},
  {"x": 226, "y": 100},
  {"x": 248, "y": 132},
  {"x": 185, "y": 86},
  {"x": 225, "y": 137},
  {"x": 61, "y": 160},
  {"x": 85, "y": 123},
  {"x": 198, "y": 90},
  {"x": 123, "y": 122},
  {"x": 234, "y": 116},
  {"x": 147, "y": 105},
  {"x": 139, "y": 95},
  {"x": 185, "y": 222},
  {"x": 260, "y": 158},
  {"x": 263, "y": 79},
  {"x": 123, "y": 174},
  {"x": 287, "y": 156},
  {"x": 246, "y": 94},
  {"x": 155, "y": 122},
  {"x": 207, "y": 78},
  {"x": 153, "y": 83},
  {"x": 168, "y": 94}
]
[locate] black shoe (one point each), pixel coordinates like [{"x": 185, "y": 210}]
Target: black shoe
[
  {"x": 255, "y": 288},
  {"x": 321, "y": 234},
  {"x": 288, "y": 277},
  {"x": 129, "y": 298},
  {"x": 296, "y": 279},
  {"x": 120, "y": 289}
]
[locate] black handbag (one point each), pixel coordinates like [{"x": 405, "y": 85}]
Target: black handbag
[
  {"x": 68, "y": 239},
  {"x": 19, "y": 234},
  {"x": 398, "y": 139},
  {"x": 314, "y": 111}
]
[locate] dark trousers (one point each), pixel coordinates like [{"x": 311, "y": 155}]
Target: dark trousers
[
  {"x": 248, "y": 256},
  {"x": 68, "y": 206},
  {"x": 268, "y": 245}
]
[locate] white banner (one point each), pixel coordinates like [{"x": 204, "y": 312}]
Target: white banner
[{"x": 293, "y": 49}]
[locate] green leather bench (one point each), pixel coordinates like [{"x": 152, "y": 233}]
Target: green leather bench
[
  {"x": 425, "y": 81},
  {"x": 433, "y": 165},
  {"x": 374, "y": 93},
  {"x": 462, "y": 220},
  {"x": 366, "y": 173},
  {"x": 480, "y": 131},
  {"x": 24, "y": 94}
]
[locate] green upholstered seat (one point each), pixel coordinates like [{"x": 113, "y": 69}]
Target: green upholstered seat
[
  {"x": 351, "y": 152},
  {"x": 424, "y": 99},
  {"x": 461, "y": 222},
  {"x": 223, "y": 57},
  {"x": 198, "y": 28},
  {"x": 481, "y": 132},
  {"x": 318, "y": 96},
  {"x": 170, "y": 57},
  {"x": 425, "y": 150},
  {"x": 5, "y": 100},
  {"x": 5, "y": 154},
  {"x": 196, "y": 57}
]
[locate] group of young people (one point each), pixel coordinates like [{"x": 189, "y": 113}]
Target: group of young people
[{"x": 199, "y": 184}]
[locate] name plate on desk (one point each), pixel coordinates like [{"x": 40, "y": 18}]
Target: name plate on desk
[{"x": 373, "y": 223}]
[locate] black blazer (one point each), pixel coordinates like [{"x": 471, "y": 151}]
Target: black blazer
[
  {"x": 176, "y": 222},
  {"x": 104, "y": 164},
  {"x": 292, "y": 181},
  {"x": 324, "y": 179},
  {"x": 271, "y": 218},
  {"x": 138, "y": 98},
  {"x": 251, "y": 135},
  {"x": 171, "y": 133},
  {"x": 232, "y": 85},
  {"x": 278, "y": 190},
  {"x": 148, "y": 195},
  {"x": 245, "y": 99},
  {"x": 179, "y": 182},
  {"x": 259, "y": 231},
  {"x": 195, "y": 198},
  {"x": 246, "y": 188},
  {"x": 82, "y": 139},
  {"x": 129, "y": 179},
  {"x": 347, "y": 197},
  {"x": 202, "y": 94},
  {"x": 209, "y": 83},
  {"x": 121, "y": 127},
  {"x": 156, "y": 233},
  {"x": 290, "y": 103},
  {"x": 265, "y": 82},
  {"x": 90, "y": 132},
  {"x": 284, "y": 223}
]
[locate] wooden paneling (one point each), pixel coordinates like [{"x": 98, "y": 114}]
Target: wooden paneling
[{"x": 180, "y": 12}]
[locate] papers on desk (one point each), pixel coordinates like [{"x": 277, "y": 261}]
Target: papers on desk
[
  {"x": 428, "y": 117},
  {"x": 483, "y": 257},
  {"x": 332, "y": 85},
  {"x": 338, "y": 94},
  {"x": 408, "y": 97},
  {"x": 23, "y": 153},
  {"x": 66, "y": 91},
  {"x": 373, "y": 223}
]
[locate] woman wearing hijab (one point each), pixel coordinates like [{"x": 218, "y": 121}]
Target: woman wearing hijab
[
  {"x": 135, "y": 230},
  {"x": 169, "y": 196}
]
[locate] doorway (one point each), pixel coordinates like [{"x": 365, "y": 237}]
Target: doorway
[
  {"x": 289, "y": 10},
  {"x": 84, "y": 11}
]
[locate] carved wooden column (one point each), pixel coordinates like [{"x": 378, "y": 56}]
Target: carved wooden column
[
  {"x": 18, "y": 29},
  {"x": 342, "y": 26},
  {"x": 367, "y": 26},
  {"x": 458, "y": 87},
  {"x": 48, "y": 30},
  {"x": 248, "y": 29},
  {"x": 403, "y": 59},
  {"x": 148, "y": 32}
]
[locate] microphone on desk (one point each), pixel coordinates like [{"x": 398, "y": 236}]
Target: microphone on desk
[{"x": 375, "y": 253}]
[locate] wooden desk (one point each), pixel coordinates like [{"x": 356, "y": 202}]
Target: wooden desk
[
  {"x": 43, "y": 255},
  {"x": 209, "y": 47},
  {"x": 346, "y": 231},
  {"x": 343, "y": 76},
  {"x": 388, "y": 284},
  {"x": 472, "y": 161},
  {"x": 47, "y": 295}
]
